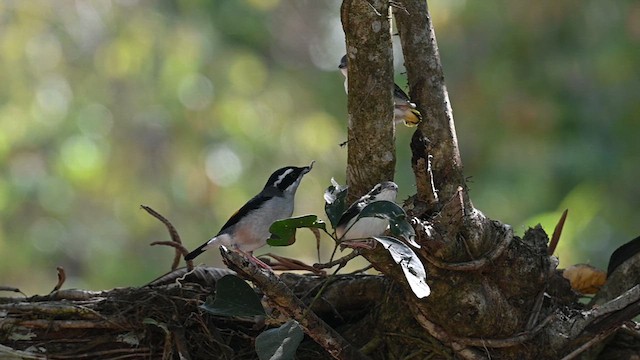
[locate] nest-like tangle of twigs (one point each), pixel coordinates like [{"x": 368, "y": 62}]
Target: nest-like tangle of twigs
[
  {"x": 125, "y": 323},
  {"x": 165, "y": 321}
]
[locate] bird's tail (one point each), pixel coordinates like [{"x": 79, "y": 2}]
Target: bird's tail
[
  {"x": 202, "y": 248},
  {"x": 192, "y": 255},
  {"x": 412, "y": 118}
]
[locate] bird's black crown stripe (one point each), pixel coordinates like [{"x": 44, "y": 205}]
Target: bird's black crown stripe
[{"x": 285, "y": 177}]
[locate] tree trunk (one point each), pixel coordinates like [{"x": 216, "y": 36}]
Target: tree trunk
[{"x": 371, "y": 132}]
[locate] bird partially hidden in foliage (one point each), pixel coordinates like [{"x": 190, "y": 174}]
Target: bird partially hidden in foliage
[
  {"x": 622, "y": 254},
  {"x": 403, "y": 109},
  {"x": 248, "y": 229},
  {"x": 349, "y": 227}
]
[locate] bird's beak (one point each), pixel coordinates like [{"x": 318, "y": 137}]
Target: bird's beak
[{"x": 308, "y": 168}]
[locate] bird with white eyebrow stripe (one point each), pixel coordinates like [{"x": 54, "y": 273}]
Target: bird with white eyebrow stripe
[{"x": 248, "y": 228}]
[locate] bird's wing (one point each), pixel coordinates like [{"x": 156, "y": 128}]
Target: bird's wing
[
  {"x": 399, "y": 94},
  {"x": 253, "y": 204},
  {"x": 351, "y": 212}
]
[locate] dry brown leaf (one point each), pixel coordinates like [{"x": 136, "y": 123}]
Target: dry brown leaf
[{"x": 584, "y": 278}]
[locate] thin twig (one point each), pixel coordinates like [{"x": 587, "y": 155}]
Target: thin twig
[
  {"x": 398, "y": 5},
  {"x": 61, "y": 278},
  {"x": 12, "y": 289},
  {"x": 285, "y": 263},
  {"x": 181, "y": 249},
  {"x": 593, "y": 341},
  {"x": 355, "y": 272},
  {"x": 374, "y": 9},
  {"x": 175, "y": 237},
  {"x": 341, "y": 261},
  {"x": 537, "y": 306},
  {"x": 172, "y": 230}
]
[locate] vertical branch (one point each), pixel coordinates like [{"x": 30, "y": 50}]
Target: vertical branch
[
  {"x": 428, "y": 90},
  {"x": 371, "y": 148}
]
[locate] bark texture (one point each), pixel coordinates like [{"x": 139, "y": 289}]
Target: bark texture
[{"x": 371, "y": 132}]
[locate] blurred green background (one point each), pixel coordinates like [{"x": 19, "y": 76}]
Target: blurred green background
[{"x": 188, "y": 106}]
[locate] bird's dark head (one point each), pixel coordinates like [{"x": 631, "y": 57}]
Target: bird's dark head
[
  {"x": 343, "y": 63},
  {"x": 287, "y": 178}
]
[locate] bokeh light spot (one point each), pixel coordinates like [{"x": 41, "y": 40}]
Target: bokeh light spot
[
  {"x": 195, "y": 91},
  {"x": 53, "y": 97},
  {"x": 82, "y": 158},
  {"x": 95, "y": 120},
  {"x": 26, "y": 170},
  {"x": 55, "y": 195},
  {"x": 247, "y": 75},
  {"x": 316, "y": 133},
  {"x": 47, "y": 234},
  {"x": 43, "y": 52},
  {"x": 223, "y": 166}
]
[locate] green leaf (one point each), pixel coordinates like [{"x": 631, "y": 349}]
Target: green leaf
[
  {"x": 391, "y": 211},
  {"x": 402, "y": 228},
  {"x": 411, "y": 265},
  {"x": 280, "y": 343},
  {"x": 234, "y": 297},
  {"x": 283, "y": 232},
  {"x": 334, "y": 198}
]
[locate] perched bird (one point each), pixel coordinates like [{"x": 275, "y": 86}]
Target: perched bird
[
  {"x": 404, "y": 110},
  {"x": 350, "y": 229},
  {"x": 248, "y": 229}
]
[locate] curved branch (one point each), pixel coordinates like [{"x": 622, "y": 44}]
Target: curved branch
[
  {"x": 475, "y": 264},
  {"x": 181, "y": 251},
  {"x": 512, "y": 341}
]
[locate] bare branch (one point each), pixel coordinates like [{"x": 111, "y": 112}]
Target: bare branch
[
  {"x": 342, "y": 261},
  {"x": 282, "y": 297},
  {"x": 181, "y": 251},
  {"x": 285, "y": 263},
  {"x": 429, "y": 92}
]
